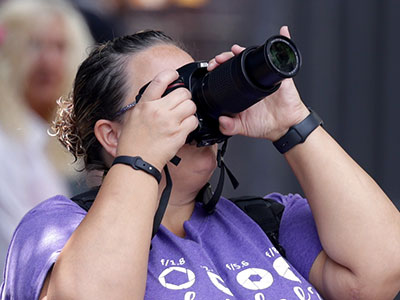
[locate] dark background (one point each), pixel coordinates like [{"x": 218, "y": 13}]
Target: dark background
[{"x": 349, "y": 76}]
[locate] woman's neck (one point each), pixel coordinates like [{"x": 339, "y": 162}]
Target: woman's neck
[
  {"x": 175, "y": 217},
  {"x": 180, "y": 209}
]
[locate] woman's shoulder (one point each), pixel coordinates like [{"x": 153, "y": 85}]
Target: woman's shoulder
[
  {"x": 53, "y": 219},
  {"x": 37, "y": 242},
  {"x": 59, "y": 209}
]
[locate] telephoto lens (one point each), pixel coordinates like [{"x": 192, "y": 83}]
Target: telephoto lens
[
  {"x": 235, "y": 85},
  {"x": 248, "y": 77}
]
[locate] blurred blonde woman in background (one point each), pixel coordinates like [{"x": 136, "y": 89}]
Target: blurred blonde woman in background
[{"x": 41, "y": 45}]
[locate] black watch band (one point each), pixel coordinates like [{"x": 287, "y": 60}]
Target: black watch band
[
  {"x": 297, "y": 134},
  {"x": 138, "y": 163}
]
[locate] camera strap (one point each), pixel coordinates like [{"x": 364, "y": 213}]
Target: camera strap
[
  {"x": 206, "y": 196},
  {"x": 162, "y": 206},
  {"x": 209, "y": 199}
]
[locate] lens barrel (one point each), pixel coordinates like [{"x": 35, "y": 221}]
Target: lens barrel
[
  {"x": 272, "y": 62},
  {"x": 247, "y": 78}
]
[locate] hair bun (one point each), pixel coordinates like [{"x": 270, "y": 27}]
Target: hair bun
[{"x": 64, "y": 128}]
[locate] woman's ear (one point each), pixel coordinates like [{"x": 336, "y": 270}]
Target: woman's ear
[{"x": 107, "y": 133}]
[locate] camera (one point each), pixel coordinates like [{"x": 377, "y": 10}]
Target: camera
[{"x": 236, "y": 84}]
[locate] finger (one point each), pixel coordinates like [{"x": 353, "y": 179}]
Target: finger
[
  {"x": 223, "y": 57},
  {"x": 229, "y": 126},
  {"x": 184, "y": 110},
  {"x": 159, "y": 84},
  {"x": 285, "y": 31},
  {"x": 188, "y": 125},
  {"x": 219, "y": 59},
  {"x": 212, "y": 64},
  {"x": 176, "y": 97},
  {"x": 236, "y": 49}
]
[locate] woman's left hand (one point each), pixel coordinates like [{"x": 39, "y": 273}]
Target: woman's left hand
[{"x": 269, "y": 118}]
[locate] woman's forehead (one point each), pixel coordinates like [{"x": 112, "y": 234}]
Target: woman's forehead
[{"x": 146, "y": 64}]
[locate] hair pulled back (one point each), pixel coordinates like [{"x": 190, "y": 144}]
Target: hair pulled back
[{"x": 99, "y": 92}]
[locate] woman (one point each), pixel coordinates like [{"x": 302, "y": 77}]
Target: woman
[
  {"x": 42, "y": 44},
  {"x": 351, "y": 253}
]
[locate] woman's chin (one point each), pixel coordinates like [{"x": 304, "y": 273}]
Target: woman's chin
[{"x": 206, "y": 165}]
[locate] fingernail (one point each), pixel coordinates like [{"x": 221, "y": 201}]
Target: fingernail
[
  {"x": 222, "y": 126},
  {"x": 211, "y": 64}
]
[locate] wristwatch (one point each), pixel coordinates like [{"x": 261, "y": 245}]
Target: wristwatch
[
  {"x": 138, "y": 163},
  {"x": 297, "y": 134}
]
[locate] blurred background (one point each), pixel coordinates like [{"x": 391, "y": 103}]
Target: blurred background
[{"x": 349, "y": 74}]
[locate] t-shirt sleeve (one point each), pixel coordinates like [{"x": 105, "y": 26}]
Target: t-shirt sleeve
[
  {"x": 36, "y": 244},
  {"x": 298, "y": 233}
]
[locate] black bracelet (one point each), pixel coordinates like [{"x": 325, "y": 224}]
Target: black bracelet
[
  {"x": 138, "y": 163},
  {"x": 297, "y": 134}
]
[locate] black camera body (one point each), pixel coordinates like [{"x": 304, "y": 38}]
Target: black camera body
[
  {"x": 191, "y": 76},
  {"x": 236, "y": 84}
]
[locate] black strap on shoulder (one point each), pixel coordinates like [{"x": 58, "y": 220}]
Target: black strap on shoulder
[
  {"x": 267, "y": 213},
  {"x": 86, "y": 199}
]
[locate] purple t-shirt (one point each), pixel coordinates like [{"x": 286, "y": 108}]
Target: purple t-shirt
[{"x": 224, "y": 255}]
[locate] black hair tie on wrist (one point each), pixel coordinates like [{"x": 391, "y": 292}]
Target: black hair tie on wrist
[{"x": 138, "y": 163}]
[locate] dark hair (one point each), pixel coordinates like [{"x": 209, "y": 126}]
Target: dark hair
[{"x": 99, "y": 92}]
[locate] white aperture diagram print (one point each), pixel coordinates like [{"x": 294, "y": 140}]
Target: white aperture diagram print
[{"x": 250, "y": 278}]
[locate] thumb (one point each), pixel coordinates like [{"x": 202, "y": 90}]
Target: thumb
[
  {"x": 285, "y": 31},
  {"x": 229, "y": 126}
]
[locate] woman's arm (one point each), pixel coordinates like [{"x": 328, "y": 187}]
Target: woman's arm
[
  {"x": 107, "y": 256},
  {"x": 358, "y": 225}
]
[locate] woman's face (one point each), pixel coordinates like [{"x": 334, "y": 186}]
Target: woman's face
[
  {"x": 197, "y": 163},
  {"x": 47, "y": 54}
]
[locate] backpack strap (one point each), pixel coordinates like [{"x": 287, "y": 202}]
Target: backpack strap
[
  {"x": 86, "y": 199},
  {"x": 267, "y": 213}
]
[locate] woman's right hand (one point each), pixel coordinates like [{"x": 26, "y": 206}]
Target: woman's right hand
[{"x": 157, "y": 127}]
